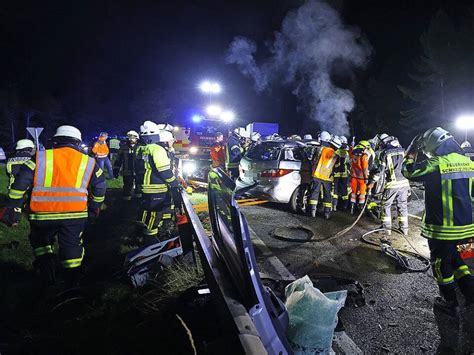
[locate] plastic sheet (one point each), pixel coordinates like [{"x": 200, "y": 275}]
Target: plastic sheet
[{"x": 313, "y": 316}]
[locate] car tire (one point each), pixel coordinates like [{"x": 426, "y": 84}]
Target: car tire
[{"x": 294, "y": 200}]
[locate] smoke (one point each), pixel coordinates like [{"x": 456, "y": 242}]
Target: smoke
[{"x": 311, "y": 45}]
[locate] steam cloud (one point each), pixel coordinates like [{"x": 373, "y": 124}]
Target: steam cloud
[{"x": 311, "y": 43}]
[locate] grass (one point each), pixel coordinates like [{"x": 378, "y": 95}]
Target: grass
[{"x": 198, "y": 197}]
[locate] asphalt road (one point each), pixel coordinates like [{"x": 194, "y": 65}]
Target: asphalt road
[{"x": 398, "y": 316}]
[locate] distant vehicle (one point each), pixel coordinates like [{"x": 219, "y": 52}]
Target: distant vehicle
[
  {"x": 3, "y": 156},
  {"x": 264, "y": 128},
  {"x": 278, "y": 171}
]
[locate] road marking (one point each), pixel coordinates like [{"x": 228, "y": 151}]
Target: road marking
[
  {"x": 344, "y": 344},
  {"x": 280, "y": 269}
]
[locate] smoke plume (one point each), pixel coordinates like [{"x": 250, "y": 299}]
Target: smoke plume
[{"x": 312, "y": 42}]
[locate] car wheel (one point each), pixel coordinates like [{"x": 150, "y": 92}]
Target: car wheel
[{"x": 299, "y": 199}]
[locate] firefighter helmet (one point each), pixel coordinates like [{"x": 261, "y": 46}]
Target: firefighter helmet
[
  {"x": 307, "y": 136},
  {"x": 132, "y": 135},
  {"x": 255, "y": 136},
  {"x": 336, "y": 142},
  {"x": 68, "y": 132},
  {"x": 241, "y": 132},
  {"x": 465, "y": 145},
  {"x": 433, "y": 138},
  {"x": 324, "y": 136},
  {"x": 343, "y": 139},
  {"x": 24, "y": 144}
]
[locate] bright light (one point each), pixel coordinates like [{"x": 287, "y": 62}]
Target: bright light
[
  {"x": 197, "y": 118},
  {"x": 210, "y": 88},
  {"x": 213, "y": 110},
  {"x": 193, "y": 150},
  {"x": 227, "y": 116},
  {"x": 465, "y": 122},
  {"x": 189, "y": 167},
  {"x": 176, "y": 128}
]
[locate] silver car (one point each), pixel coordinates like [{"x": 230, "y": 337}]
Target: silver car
[{"x": 278, "y": 171}]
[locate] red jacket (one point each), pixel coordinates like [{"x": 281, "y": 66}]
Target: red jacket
[{"x": 218, "y": 155}]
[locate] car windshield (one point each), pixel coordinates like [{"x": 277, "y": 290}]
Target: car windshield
[{"x": 265, "y": 151}]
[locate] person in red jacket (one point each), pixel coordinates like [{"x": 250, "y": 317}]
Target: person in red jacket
[{"x": 218, "y": 151}]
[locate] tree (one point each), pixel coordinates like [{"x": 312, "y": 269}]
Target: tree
[{"x": 442, "y": 82}]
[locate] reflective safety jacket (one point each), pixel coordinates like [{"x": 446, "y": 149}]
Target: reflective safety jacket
[
  {"x": 14, "y": 164},
  {"x": 448, "y": 181},
  {"x": 60, "y": 181},
  {"x": 361, "y": 161},
  {"x": 218, "y": 156},
  {"x": 233, "y": 152},
  {"x": 343, "y": 163},
  {"x": 323, "y": 168},
  {"x": 158, "y": 174},
  {"x": 390, "y": 164},
  {"x": 126, "y": 159},
  {"x": 114, "y": 145},
  {"x": 100, "y": 149}
]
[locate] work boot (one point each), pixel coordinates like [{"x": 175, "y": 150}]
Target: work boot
[
  {"x": 47, "y": 269},
  {"x": 334, "y": 207},
  {"x": 327, "y": 215},
  {"x": 313, "y": 210},
  {"x": 448, "y": 301},
  {"x": 466, "y": 286},
  {"x": 353, "y": 208}
]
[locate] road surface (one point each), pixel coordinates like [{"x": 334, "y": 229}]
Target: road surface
[{"x": 398, "y": 316}]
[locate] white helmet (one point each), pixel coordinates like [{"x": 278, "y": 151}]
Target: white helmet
[
  {"x": 324, "y": 136},
  {"x": 255, "y": 136},
  {"x": 336, "y": 142},
  {"x": 433, "y": 138},
  {"x": 24, "y": 144},
  {"x": 165, "y": 127},
  {"x": 465, "y": 145},
  {"x": 149, "y": 128},
  {"x": 166, "y": 136},
  {"x": 69, "y": 132},
  {"x": 132, "y": 134},
  {"x": 242, "y": 132},
  {"x": 382, "y": 136},
  {"x": 343, "y": 139},
  {"x": 307, "y": 136}
]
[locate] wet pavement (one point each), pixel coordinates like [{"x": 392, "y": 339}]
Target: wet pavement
[{"x": 398, "y": 316}]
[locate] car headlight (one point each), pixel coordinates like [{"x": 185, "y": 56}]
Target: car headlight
[{"x": 189, "y": 167}]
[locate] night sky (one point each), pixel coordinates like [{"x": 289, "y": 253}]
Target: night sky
[{"x": 108, "y": 52}]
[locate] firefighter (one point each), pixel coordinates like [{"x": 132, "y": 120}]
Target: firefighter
[
  {"x": 114, "y": 147},
  {"x": 394, "y": 186},
  {"x": 125, "y": 162},
  {"x": 24, "y": 151},
  {"x": 341, "y": 175},
  {"x": 323, "y": 177},
  {"x": 218, "y": 151},
  {"x": 234, "y": 150},
  {"x": 362, "y": 157},
  {"x": 59, "y": 204},
  {"x": 158, "y": 178},
  {"x": 467, "y": 150},
  {"x": 447, "y": 176},
  {"x": 101, "y": 153}
]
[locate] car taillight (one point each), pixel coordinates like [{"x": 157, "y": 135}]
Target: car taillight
[{"x": 275, "y": 173}]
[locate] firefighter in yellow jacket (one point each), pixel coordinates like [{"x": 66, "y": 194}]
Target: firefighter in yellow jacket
[
  {"x": 158, "y": 179},
  {"x": 58, "y": 181}
]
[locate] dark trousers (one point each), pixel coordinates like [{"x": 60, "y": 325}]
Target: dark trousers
[
  {"x": 317, "y": 186},
  {"x": 69, "y": 234},
  {"x": 341, "y": 190},
  {"x": 129, "y": 182},
  {"x": 156, "y": 216},
  {"x": 450, "y": 269}
]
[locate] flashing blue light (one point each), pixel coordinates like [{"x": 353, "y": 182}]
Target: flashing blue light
[{"x": 197, "y": 118}]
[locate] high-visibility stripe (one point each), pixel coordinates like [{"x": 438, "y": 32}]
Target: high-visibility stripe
[
  {"x": 144, "y": 216},
  {"x": 445, "y": 201},
  {"x": 41, "y": 166},
  {"x": 461, "y": 272},
  {"x": 15, "y": 194},
  {"x": 60, "y": 189},
  {"x": 56, "y": 216},
  {"x": 47, "y": 249},
  {"x": 73, "y": 263},
  {"x": 171, "y": 179},
  {"x": 48, "y": 175},
  {"x": 166, "y": 216},
  {"x": 58, "y": 198},
  {"x": 98, "y": 199},
  {"x": 152, "y": 220},
  {"x": 163, "y": 168},
  {"x": 81, "y": 171},
  {"x": 30, "y": 164},
  {"x": 313, "y": 202}
]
